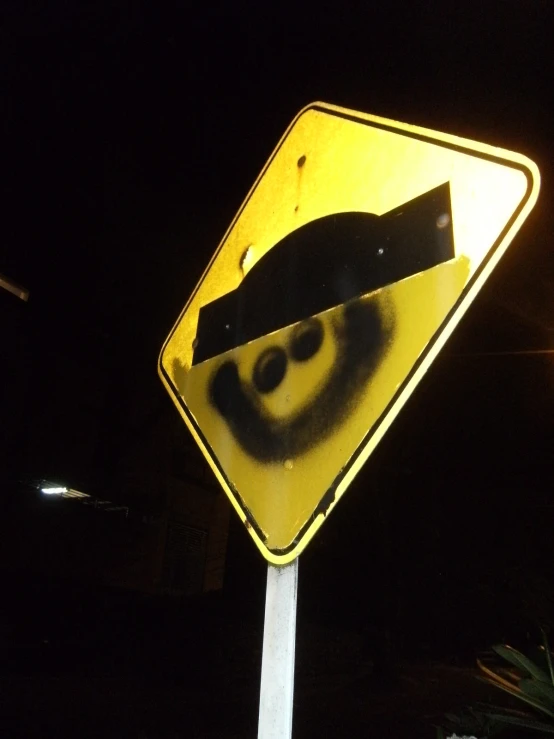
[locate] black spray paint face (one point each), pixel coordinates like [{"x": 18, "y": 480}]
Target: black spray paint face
[{"x": 321, "y": 280}]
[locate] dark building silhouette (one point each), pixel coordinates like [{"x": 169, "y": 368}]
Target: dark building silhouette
[{"x": 149, "y": 515}]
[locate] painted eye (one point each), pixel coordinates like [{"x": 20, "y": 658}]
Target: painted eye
[
  {"x": 269, "y": 370},
  {"x": 306, "y": 340}
]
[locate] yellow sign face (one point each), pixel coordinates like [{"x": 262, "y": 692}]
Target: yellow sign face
[{"x": 349, "y": 264}]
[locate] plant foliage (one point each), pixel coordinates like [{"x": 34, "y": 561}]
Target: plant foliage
[{"x": 530, "y": 681}]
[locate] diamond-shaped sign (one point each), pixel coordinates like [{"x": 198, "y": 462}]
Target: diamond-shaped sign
[{"x": 349, "y": 264}]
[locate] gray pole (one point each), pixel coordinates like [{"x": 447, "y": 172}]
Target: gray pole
[{"x": 277, "y": 685}]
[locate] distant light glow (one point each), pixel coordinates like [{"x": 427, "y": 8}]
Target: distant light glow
[
  {"x": 64, "y": 492},
  {"x": 70, "y": 493},
  {"x": 53, "y": 491}
]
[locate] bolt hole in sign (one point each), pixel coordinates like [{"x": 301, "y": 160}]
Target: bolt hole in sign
[{"x": 355, "y": 254}]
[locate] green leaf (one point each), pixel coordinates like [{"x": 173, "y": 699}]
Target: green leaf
[
  {"x": 467, "y": 723},
  {"x": 453, "y": 718},
  {"x": 541, "y": 691},
  {"x": 525, "y": 722},
  {"x": 440, "y": 733},
  {"x": 517, "y": 693},
  {"x": 497, "y": 677},
  {"x": 520, "y": 660},
  {"x": 548, "y": 655}
]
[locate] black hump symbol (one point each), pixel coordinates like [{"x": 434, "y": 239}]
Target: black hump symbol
[{"x": 327, "y": 263}]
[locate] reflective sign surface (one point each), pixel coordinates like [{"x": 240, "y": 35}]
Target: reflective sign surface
[{"x": 349, "y": 264}]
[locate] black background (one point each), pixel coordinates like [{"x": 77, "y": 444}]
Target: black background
[{"x": 132, "y": 131}]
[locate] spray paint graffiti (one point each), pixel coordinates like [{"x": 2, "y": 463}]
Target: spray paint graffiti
[{"x": 323, "y": 280}]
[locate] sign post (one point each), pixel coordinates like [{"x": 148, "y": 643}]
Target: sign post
[
  {"x": 277, "y": 683},
  {"x": 350, "y": 263}
]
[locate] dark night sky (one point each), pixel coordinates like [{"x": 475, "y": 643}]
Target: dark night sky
[{"x": 133, "y": 130}]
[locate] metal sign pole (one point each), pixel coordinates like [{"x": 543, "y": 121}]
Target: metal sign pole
[{"x": 277, "y": 684}]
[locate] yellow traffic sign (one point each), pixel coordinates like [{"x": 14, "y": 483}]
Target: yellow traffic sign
[{"x": 355, "y": 254}]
